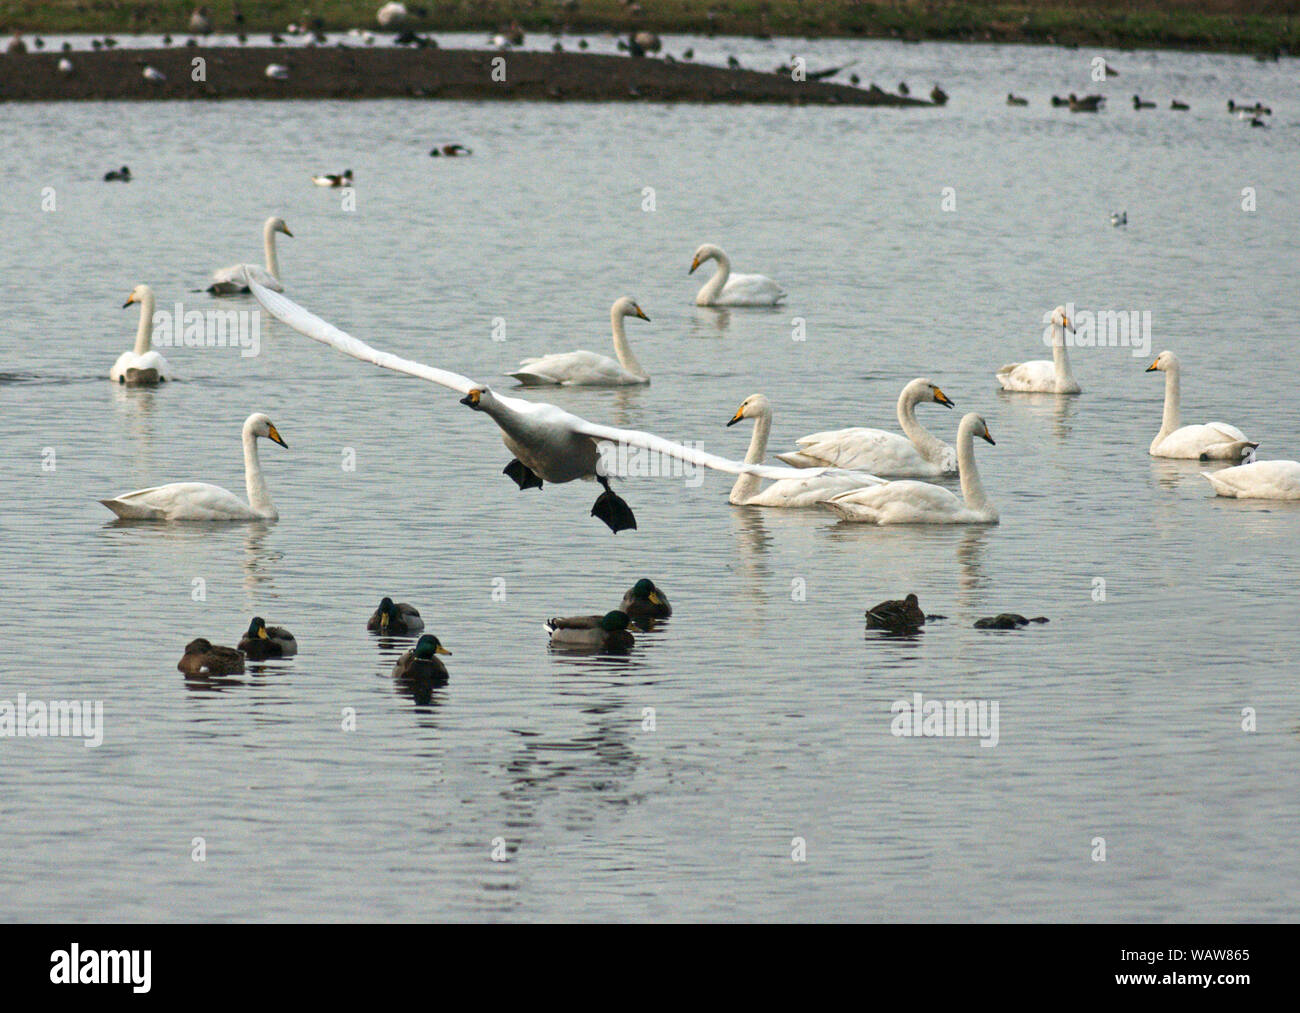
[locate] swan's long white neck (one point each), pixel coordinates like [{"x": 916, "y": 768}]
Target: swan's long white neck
[
  {"x": 144, "y": 332},
  {"x": 1064, "y": 376},
  {"x": 621, "y": 348},
  {"x": 715, "y": 284},
  {"x": 748, "y": 485},
  {"x": 272, "y": 257},
  {"x": 931, "y": 448},
  {"x": 259, "y": 499},
  {"x": 972, "y": 489},
  {"x": 1173, "y": 401}
]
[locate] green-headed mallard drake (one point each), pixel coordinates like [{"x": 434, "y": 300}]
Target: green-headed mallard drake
[
  {"x": 202, "y": 657},
  {"x": 421, "y": 661},
  {"x": 605, "y": 633},
  {"x": 896, "y": 615},
  {"x": 395, "y": 618},
  {"x": 1006, "y": 621},
  {"x": 262, "y": 641},
  {"x": 645, "y": 601}
]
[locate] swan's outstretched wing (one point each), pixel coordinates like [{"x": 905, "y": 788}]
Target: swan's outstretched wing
[
  {"x": 304, "y": 322},
  {"x": 658, "y": 445}
]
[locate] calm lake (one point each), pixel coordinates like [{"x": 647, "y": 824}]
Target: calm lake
[{"x": 673, "y": 782}]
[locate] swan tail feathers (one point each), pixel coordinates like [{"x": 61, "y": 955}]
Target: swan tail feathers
[
  {"x": 533, "y": 379},
  {"x": 131, "y": 511},
  {"x": 799, "y": 460}
]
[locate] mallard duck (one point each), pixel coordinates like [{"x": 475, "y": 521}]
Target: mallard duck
[
  {"x": 122, "y": 175},
  {"x": 202, "y": 657},
  {"x": 645, "y": 601},
  {"x": 896, "y": 615},
  {"x": 1016, "y": 100},
  {"x": 450, "y": 151},
  {"x": 1006, "y": 621},
  {"x": 395, "y": 618},
  {"x": 1139, "y": 104},
  {"x": 330, "y": 179},
  {"x": 1181, "y": 107},
  {"x": 606, "y": 633},
  {"x": 421, "y": 661},
  {"x": 262, "y": 641}
]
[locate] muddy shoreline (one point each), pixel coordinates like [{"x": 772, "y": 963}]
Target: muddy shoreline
[{"x": 398, "y": 72}]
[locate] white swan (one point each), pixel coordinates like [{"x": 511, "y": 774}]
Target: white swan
[
  {"x": 727, "y": 289},
  {"x": 588, "y": 369},
  {"x": 142, "y": 366},
  {"x": 232, "y": 280},
  {"x": 1042, "y": 376},
  {"x": 1258, "y": 480},
  {"x": 549, "y": 443},
  {"x": 911, "y": 502},
  {"x": 1215, "y": 441},
  {"x": 199, "y": 501},
  {"x": 808, "y": 489},
  {"x": 883, "y": 453}
]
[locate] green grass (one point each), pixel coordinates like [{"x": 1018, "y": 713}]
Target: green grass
[{"x": 1238, "y": 25}]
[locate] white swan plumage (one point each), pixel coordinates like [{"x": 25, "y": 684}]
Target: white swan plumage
[
  {"x": 1258, "y": 480},
  {"x": 549, "y": 443},
  {"x": 1042, "y": 376},
  {"x": 908, "y": 501},
  {"x": 233, "y": 280},
  {"x": 808, "y": 489},
  {"x": 917, "y": 454},
  {"x": 727, "y": 289},
  {"x": 199, "y": 501},
  {"x": 590, "y": 369},
  {"x": 143, "y": 365},
  {"x": 1214, "y": 441}
]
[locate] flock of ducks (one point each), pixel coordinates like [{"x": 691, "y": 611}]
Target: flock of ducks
[{"x": 644, "y": 605}]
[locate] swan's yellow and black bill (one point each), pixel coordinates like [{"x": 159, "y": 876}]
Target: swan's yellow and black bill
[
  {"x": 695, "y": 262},
  {"x": 1152, "y": 366},
  {"x": 129, "y": 300},
  {"x": 472, "y": 398},
  {"x": 640, "y": 312},
  {"x": 941, "y": 398},
  {"x": 989, "y": 436},
  {"x": 740, "y": 414},
  {"x": 274, "y": 434},
  {"x": 1065, "y": 322}
]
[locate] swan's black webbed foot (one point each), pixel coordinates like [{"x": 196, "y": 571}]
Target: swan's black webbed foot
[
  {"x": 524, "y": 476},
  {"x": 612, "y": 509}
]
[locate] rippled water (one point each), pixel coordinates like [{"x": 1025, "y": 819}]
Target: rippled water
[{"x": 1119, "y": 719}]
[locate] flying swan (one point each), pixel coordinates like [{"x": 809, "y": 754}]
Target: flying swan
[
  {"x": 199, "y": 501},
  {"x": 808, "y": 489},
  {"x": 548, "y": 443},
  {"x": 588, "y": 369},
  {"x": 1041, "y": 376},
  {"x": 916, "y": 455},
  {"x": 1258, "y": 480},
  {"x": 1215, "y": 441},
  {"x": 727, "y": 289},
  {"x": 232, "y": 280},
  {"x": 910, "y": 502},
  {"x": 142, "y": 366}
]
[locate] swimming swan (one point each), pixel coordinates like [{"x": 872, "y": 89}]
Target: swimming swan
[
  {"x": 808, "y": 489},
  {"x": 1215, "y": 441},
  {"x": 549, "y": 443},
  {"x": 588, "y": 369},
  {"x": 142, "y": 366},
  {"x": 199, "y": 501},
  {"x": 232, "y": 280},
  {"x": 1042, "y": 376},
  {"x": 1258, "y": 480},
  {"x": 910, "y": 502},
  {"x": 918, "y": 454},
  {"x": 727, "y": 289}
]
